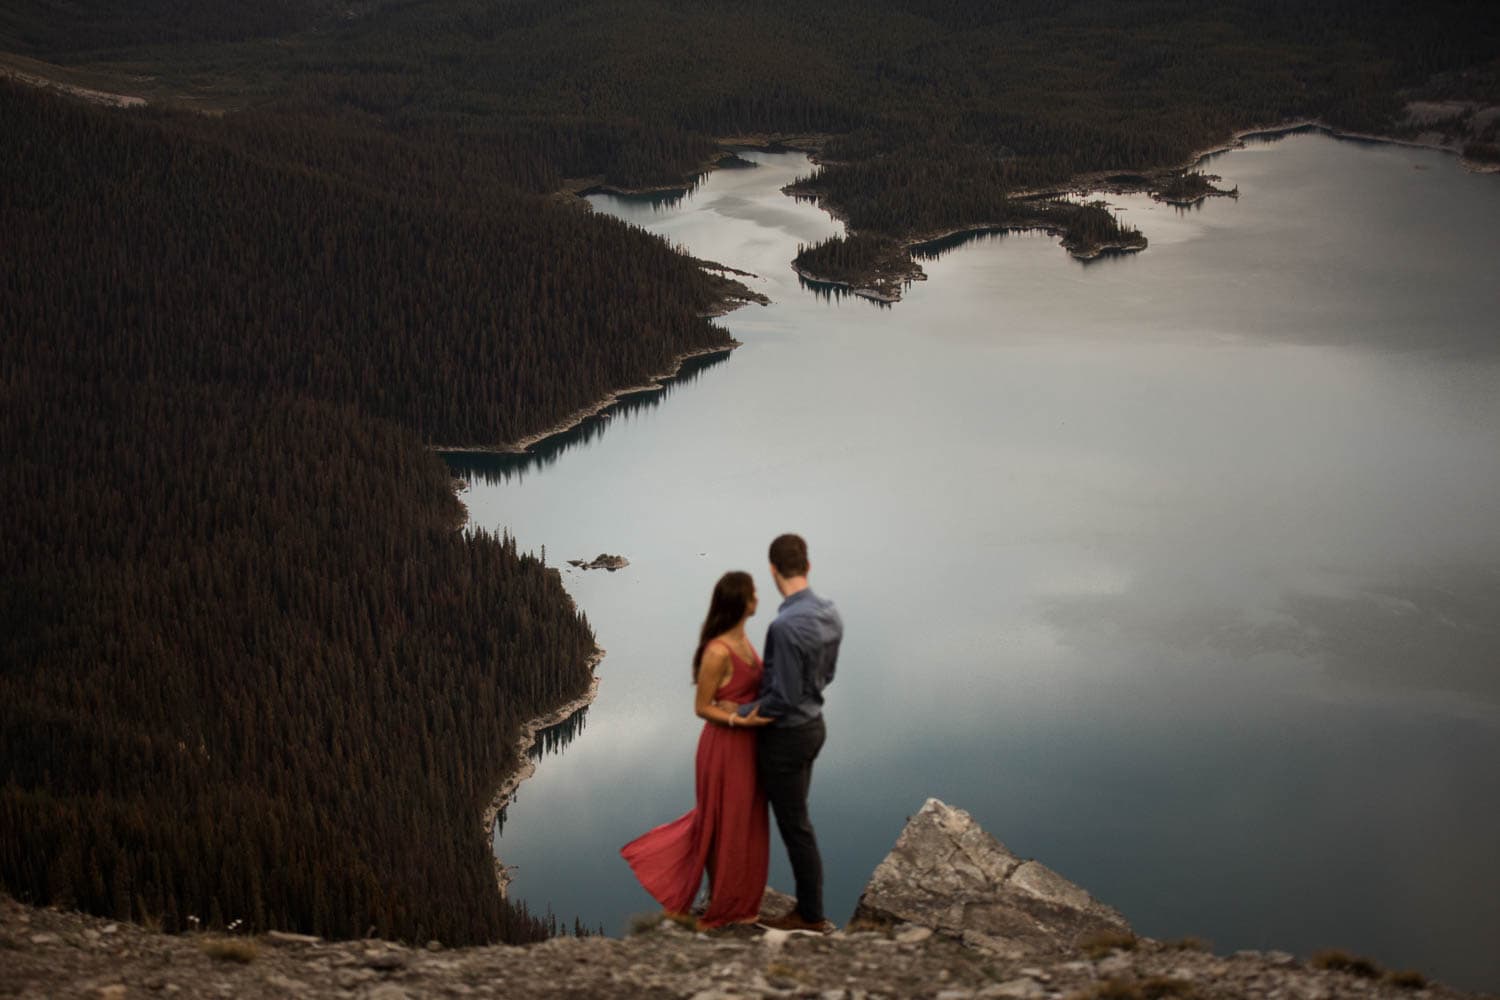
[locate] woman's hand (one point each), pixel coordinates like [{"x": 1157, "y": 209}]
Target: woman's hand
[{"x": 754, "y": 719}]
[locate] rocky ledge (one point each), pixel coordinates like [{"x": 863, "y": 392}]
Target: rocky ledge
[{"x": 950, "y": 914}]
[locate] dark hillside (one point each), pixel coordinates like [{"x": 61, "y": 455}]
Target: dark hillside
[
  {"x": 928, "y": 113},
  {"x": 249, "y": 669},
  {"x": 85, "y": 26},
  {"x": 153, "y": 246},
  {"x": 1015, "y": 93}
]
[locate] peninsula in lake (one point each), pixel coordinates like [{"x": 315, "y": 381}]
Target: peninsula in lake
[{"x": 259, "y": 260}]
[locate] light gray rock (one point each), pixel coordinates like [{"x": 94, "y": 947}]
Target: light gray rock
[
  {"x": 295, "y": 987},
  {"x": 1045, "y": 884},
  {"x": 385, "y": 960},
  {"x": 1024, "y": 988},
  {"x": 386, "y": 991},
  {"x": 947, "y": 873},
  {"x": 1312, "y": 990},
  {"x": 775, "y": 904},
  {"x": 350, "y": 978},
  {"x": 288, "y": 939},
  {"x": 999, "y": 947},
  {"x": 774, "y": 940}
]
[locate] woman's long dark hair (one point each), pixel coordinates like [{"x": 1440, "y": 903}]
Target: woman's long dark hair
[{"x": 730, "y": 602}]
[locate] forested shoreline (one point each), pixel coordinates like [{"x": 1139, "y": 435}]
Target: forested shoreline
[
  {"x": 249, "y": 667},
  {"x": 252, "y": 669},
  {"x": 931, "y": 115}
]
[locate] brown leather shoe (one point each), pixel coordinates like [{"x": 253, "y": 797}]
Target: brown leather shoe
[{"x": 793, "y": 922}]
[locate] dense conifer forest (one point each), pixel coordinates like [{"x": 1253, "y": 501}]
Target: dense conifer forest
[
  {"x": 253, "y": 255},
  {"x": 248, "y": 667},
  {"x": 927, "y": 113},
  {"x": 250, "y": 670}
]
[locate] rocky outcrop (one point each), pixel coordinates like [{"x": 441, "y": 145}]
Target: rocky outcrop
[
  {"x": 47, "y": 954},
  {"x": 948, "y": 874},
  {"x": 950, "y": 914}
]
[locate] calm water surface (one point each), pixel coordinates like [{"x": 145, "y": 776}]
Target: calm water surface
[{"x": 1180, "y": 571}]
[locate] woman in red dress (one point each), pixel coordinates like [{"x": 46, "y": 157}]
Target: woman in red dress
[{"x": 727, "y": 835}]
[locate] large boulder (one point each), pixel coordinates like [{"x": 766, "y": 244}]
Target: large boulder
[{"x": 946, "y": 873}]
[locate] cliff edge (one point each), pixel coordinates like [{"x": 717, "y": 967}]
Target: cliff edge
[{"x": 950, "y": 914}]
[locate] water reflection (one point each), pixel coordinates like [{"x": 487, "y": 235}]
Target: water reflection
[
  {"x": 659, "y": 200},
  {"x": 555, "y": 739},
  {"x": 1184, "y": 566},
  {"x": 833, "y": 292},
  {"x": 666, "y": 199},
  {"x": 549, "y": 741},
  {"x": 498, "y": 468},
  {"x": 1433, "y": 629},
  {"x": 1271, "y": 136},
  {"x": 935, "y": 249}
]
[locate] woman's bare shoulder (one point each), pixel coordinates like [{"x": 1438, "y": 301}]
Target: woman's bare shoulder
[{"x": 715, "y": 653}]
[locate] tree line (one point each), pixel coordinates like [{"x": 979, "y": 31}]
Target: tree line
[
  {"x": 252, "y": 670},
  {"x": 934, "y": 107},
  {"x": 250, "y": 667},
  {"x": 140, "y": 244}
]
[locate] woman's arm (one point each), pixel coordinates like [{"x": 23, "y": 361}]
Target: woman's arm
[{"x": 712, "y": 672}]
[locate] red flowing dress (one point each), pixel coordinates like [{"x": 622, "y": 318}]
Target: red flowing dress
[{"x": 727, "y": 835}]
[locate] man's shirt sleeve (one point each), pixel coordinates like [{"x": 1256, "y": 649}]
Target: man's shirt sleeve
[{"x": 835, "y": 640}]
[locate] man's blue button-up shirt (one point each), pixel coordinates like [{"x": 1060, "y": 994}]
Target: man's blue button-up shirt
[{"x": 801, "y": 652}]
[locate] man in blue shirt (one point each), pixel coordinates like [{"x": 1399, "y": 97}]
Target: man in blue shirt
[{"x": 801, "y": 650}]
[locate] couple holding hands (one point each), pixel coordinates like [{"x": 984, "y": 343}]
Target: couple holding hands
[{"x": 763, "y": 728}]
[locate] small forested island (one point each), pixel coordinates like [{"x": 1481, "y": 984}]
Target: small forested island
[
  {"x": 1191, "y": 187},
  {"x": 602, "y": 561},
  {"x": 876, "y": 267},
  {"x": 259, "y": 260}
]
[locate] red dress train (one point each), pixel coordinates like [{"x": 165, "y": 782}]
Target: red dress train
[{"x": 727, "y": 835}]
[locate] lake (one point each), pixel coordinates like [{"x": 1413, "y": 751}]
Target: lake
[{"x": 1179, "y": 570}]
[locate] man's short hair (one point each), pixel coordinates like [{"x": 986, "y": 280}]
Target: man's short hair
[{"x": 789, "y": 555}]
